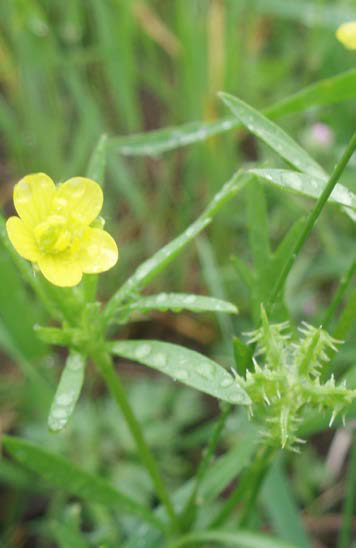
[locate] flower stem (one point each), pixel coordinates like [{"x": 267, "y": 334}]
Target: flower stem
[
  {"x": 340, "y": 166},
  {"x": 104, "y": 362}
]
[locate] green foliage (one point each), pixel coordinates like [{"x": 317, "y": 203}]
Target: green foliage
[{"x": 126, "y": 93}]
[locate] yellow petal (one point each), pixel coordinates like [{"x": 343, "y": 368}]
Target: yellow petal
[
  {"x": 60, "y": 269},
  {"x": 22, "y": 239},
  {"x": 33, "y": 197},
  {"x": 80, "y": 197},
  {"x": 100, "y": 252},
  {"x": 346, "y": 34}
]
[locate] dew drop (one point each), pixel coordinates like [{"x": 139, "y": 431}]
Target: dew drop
[
  {"x": 207, "y": 370},
  {"x": 181, "y": 374},
  {"x": 142, "y": 351},
  {"x": 161, "y": 298},
  {"x": 228, "y": 381},
  {"x": 59, "y": 413},
  {"x": 159, "y": 360},
  {"x": 190, "y": 299},
  {"x": 65, "y": 399}
]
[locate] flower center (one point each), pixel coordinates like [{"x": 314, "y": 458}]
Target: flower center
[{"x": 52, "y": 235}]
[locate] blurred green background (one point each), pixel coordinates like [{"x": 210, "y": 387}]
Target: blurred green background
[{"x": 70, "y": 71}]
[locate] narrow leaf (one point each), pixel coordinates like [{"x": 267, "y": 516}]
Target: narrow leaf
[
  {"x": 282, "y": 508},
  {"x": 61, "y": 473},
  {"x": 230, "y": 538},
  {"x": 243, "y": 355},
  {"x": 305, "y": 184},
  {"x": 327, "y": 91},
  {"x": 273, "y": 136},
  {"x": 161, "y": 140},
  {"x": 186, "y": 366},
  {"x": 180, "y": 301},
  {"x": 97, "y": 163},
  {"x": 68, "y": 392}
]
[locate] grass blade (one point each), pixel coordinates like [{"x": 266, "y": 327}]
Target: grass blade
[
  {"x": 282, "y": 508},
  {"x": 230, "y": 538},
  {"x": 61, "y": 473}
]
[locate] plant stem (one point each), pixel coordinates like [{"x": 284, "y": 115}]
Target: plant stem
[
  {"x": 188, "y": 514},
  {"x": 313, "y": 218},
  {"x": 350, "y": 499},
  {"x": 344, "y": 283},
  {"x": 248, "y": 487},
  {"x": 104, "y": 362}
]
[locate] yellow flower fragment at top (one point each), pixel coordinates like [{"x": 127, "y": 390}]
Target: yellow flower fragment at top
[
  {"x": 55, "y": 228},
  {"x": 346, "y": 34}
]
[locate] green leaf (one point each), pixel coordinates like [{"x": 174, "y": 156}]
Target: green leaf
[
  {"x": 285, "y": 249},
  {"x": 309, "y": 13},
  {"x": 258, "y": 226},
  {"x": 220, "y": 474},
  {"x": 97, "y": 162},
  {"x": 54, "y": 335},
  {"x": 186, "y": 366},
  {"x": 327, "y": 91},
  {"x": 243, "y": 355},
  {"x": 68, "y": 392},
  {"x": 61, "y": 473},
  {"x": 273, "y": 136},
  {"x": 230, "y": 539},
  {"x": 160, "y": 260},
  {"x": 161, "y": 140},
  {"x": 180, "y": 301},
  {"x": 305, "y": 184},
  {"x": 66, "y": 536},
  {"x": 282, "y": 508}
]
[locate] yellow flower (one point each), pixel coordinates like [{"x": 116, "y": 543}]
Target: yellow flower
[
  {"x": 346, "y": 34},
  {"x": 53, "y": 228}
]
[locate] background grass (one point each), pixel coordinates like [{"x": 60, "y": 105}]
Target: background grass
[{"x": 70, "y": 71}]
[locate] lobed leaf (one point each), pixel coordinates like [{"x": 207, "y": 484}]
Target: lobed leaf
[
  {"x": 186, "y": 366},
  {"x": 68, "y": 392},
  {"x": 61, "y": 473},
  {"x": 273, "y": 136},
  {"x": 305, "y": 184}
]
